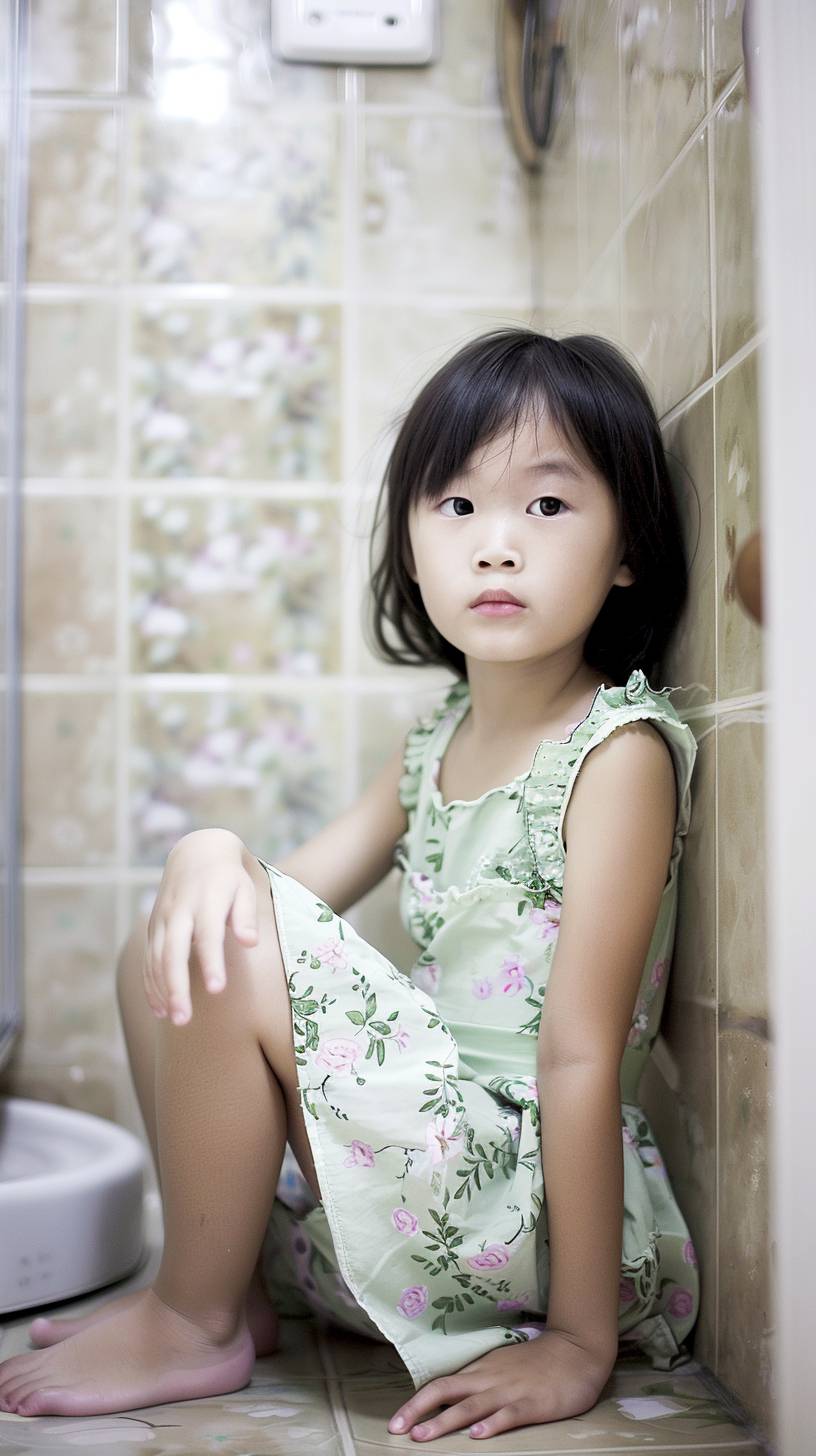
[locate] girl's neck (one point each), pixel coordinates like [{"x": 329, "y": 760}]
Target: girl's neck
[{"x": 515, "y": 701}]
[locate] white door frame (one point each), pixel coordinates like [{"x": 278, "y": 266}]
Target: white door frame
[{"x": 782, "y": 58}]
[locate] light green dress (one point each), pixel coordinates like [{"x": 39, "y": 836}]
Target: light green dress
[{"x": 419, "y": 1090}]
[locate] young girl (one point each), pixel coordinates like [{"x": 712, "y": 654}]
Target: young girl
[{"x": 486, "y": 1192}]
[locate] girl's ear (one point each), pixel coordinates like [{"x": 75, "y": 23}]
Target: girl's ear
[{"x": 625, "y": 576}]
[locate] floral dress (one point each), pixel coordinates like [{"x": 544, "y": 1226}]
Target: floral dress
[{"x": 419, "y": 1089}]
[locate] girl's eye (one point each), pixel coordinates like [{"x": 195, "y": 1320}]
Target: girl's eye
[{"x": 554, "y": 498}]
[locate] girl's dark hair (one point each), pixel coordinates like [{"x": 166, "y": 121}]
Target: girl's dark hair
[{"x": 603, "y": 410}]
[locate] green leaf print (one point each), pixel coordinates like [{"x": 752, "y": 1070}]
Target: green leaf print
[{"x": 357, "y": 1017}]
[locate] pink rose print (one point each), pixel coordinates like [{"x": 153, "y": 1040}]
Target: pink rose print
[
  {"x": 493, "y": 1256},
  {"x": 658, "y": 972},
  {"x": 361, "y": 1155},
  {"x": 427, "y": 977},
  {"x": 513, "y": 1303},
  {"x": 689, "y": 1253},
  {"x": 481, "y": 989},
  {"x": 338, "y": 1054},
  {"x": 681, "y": 1303},
  {"x": 548, "y": 916},
  {"x": 402, "y": 1038},
  {"x": 525, "y": 1088},
  {"x": 531, "y": 1331},
  {"x": 442, "y": 1142},
  {"x": 627, "y": 1137},
  {"x": 332, "y": 955},
  {"x": 626, "y": 1291},
  {"x": 511, "y": 976},
  {"x": 413, "y": 1301},
  {"x": 423, "y": 885},
  {"x": 405, "y": 1222}
]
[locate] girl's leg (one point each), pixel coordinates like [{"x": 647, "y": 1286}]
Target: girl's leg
[
  {"x": 139, "y": 1026},
  {"x": 226, "y": 1096}
]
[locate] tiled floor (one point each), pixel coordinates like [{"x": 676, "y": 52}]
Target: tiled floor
[{"x": 333, "y": 1393}]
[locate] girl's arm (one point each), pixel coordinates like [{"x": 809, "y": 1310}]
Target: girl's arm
[{"x": 621, "y": 819}]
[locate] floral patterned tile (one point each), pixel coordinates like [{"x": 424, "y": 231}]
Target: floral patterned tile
[
  {"x": 236, "y": 585},
  {"x": 267, "y": 766},
  {"x": 239, "y": 201},
  {"x": 238, "y": 390}
]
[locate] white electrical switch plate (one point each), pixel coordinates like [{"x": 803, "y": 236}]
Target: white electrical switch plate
[{"x": 357, "y": 32}]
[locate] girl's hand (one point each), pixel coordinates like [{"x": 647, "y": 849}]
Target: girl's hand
[
  {"x": 204, "y": 887},
  {"x": 546, "y": 1379}
]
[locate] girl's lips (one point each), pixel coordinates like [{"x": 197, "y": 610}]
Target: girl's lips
[{"x": 497, "y": 609}]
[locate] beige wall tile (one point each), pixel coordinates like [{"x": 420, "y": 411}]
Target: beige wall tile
[
  {"x": 691, "y": 658},
  {"x": 420, "y": 235},
  {"x": 662, "y": 89},
  {"x": 69, "y": 570},
  {"x": 727, "y": 54},
  {"x": 740, "y": 645},
  {"x": 400, "y": 349},
  {"x": 597, "y": 131},
  {"x": 68, "y": 778},
  {"x": 737, "y": 257},
  {"x": 73, "y": 45},
  {"x": 745, "y": 1359},
  {"x": 70, "y": 996},
  {"x": 71, "y": 383},
  {"x": 742, "y": 948},
  {"x": 74, "y": 160},
  {"x": 666, "y": 317}
]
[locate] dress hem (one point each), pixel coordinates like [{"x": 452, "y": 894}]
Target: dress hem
[{"x": 419, "y": 1375}]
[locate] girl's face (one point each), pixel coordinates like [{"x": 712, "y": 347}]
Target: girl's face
[{"x": 527, "y": 517}]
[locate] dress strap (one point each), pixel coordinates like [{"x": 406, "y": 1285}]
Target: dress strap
[
  {"x": 417, "y": 740},
  {"x": 556, "y": 766}
]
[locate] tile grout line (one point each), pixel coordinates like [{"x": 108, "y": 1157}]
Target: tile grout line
[{"x": 334, "y": 1388}]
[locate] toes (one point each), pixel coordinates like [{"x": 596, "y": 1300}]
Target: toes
[{"x": 37, "y": 1403}]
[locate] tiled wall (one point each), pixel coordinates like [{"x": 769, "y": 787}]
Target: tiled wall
[
  {"x": 240, "y": 272},
  {"x": 646, "y": 233}
]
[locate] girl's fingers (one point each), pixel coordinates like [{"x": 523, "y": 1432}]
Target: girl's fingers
[
  {"x": 243, "y": 915},
  {"x": 175, "y": 968},
  {"x": 437, "y": 1392},
  {"x": 208, "y": 939},
  {"x": 508, "y": 1418},
  {"x": 155, "y": 944},
  {"x": 474, "y": 1408}
]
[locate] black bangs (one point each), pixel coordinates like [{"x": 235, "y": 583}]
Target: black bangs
[{"x": 603, "y": 412}]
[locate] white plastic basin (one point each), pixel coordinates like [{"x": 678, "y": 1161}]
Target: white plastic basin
[{"x": 71, "y": 1190}]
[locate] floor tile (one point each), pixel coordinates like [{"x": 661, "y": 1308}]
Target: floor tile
[{"x": 640, "y": 1408}]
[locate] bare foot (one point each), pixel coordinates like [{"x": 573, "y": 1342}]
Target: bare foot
[
  {"x": 260, "y": 1316},
  {"x": 147, "y": 1354}
]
